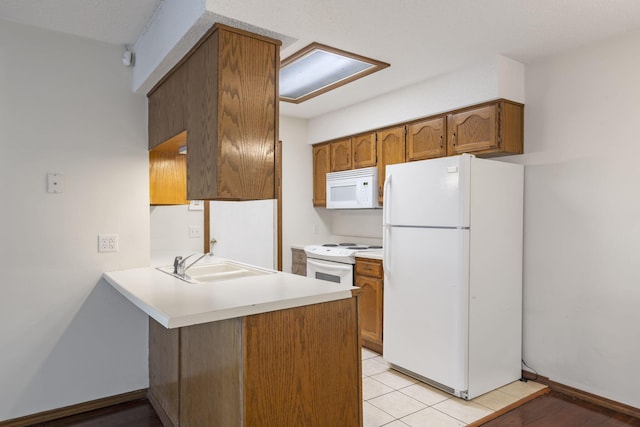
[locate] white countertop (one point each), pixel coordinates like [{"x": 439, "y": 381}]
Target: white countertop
[
  {"x": 174, "y": 303},
  {"x": 377, "y": 254}
]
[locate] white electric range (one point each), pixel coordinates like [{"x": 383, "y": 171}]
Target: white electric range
[{"x": 334, "y": 262}]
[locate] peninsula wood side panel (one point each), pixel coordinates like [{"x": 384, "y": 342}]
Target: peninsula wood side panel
[
  {"x": 302, "y": 372},
  {"x": 211, "y": 374},
  {"x": 164, "y": 375}
]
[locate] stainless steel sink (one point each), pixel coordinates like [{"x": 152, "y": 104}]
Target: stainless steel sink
[{"x": 218, "y": 271}]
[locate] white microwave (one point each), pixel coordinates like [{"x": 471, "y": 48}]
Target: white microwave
[{"x": 353, "y": 189}]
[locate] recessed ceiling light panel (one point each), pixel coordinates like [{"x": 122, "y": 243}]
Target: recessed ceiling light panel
[{"x": 317, "y": 69}]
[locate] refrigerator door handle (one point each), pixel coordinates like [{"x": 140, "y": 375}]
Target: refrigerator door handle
[
  {"x": 386, "y": 255},
  {"x": 386, "y": 207}
]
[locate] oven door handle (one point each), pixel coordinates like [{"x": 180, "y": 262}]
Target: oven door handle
[{"x": 329, "y": 265}]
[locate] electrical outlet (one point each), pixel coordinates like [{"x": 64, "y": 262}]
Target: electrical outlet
[
  {"x": 195, "y": 231},
  {"x": 107, "y": 243}
]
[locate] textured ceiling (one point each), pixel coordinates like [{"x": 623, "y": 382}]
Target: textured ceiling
[
  {"x": 419, "y": 38},
  {"x": 112, "y": 21}
]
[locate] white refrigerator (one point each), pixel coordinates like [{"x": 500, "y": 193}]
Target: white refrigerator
[{"x": 452, "y": 238}]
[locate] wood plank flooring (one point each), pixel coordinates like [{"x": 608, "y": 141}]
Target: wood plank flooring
[
  {"x": 556, "y": 409},
  {"x": 137, "y": 413},
  {"x": 551, "y": 410}
]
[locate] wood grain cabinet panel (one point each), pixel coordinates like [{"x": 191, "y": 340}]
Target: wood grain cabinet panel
[
  {"x": 292, "y": 367},
  {"x": 369, "y": 278},
  {"x": 340, "y": 155},
  {"x": 224, "y": 94},
  {"x": 488, "y": 130},
  {"x": 321, "y": 165},
  {"x": 164, "y": 372},
  {"x": 426, "y": 139},
  {"x": 168, "y": 172},
  {"x": 364, "y": 150},
  {"x": 167, "y": 107},
  {"x": 391, "y": 149}
]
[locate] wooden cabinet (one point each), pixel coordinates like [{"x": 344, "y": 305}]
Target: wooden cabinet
[
  {"x": 391, "y": 150},
  {"x": 279, "y": 368},
  {"x": 364, "y": 149},
  {"x": 168, "y": 173},
  {"x": 426, "y": 139},
  {"x": 491, "y": 129},
  {"x": 340, "y": 155},
  {"x": 321, "y": 165},
  {"x": 168, "y": 108},
  {"x": 298, "y": 262},
  {"x": 369, "y": 277},
  {"x": 223, "y": 94}
]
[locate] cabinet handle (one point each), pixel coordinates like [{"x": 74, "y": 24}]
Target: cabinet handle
[
  {"x": 441, "y": 141},
  {"x": 453, "y": 138},
  {"x": 355, "y": 156}
]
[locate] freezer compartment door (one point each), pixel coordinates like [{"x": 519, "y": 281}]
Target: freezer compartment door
[
  {"x": 425, "y": 303},
  {"x": 431, "y": 192}
]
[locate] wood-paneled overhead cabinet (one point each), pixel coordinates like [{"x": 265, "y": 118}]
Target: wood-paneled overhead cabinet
[{"x": 224, "y": 94}]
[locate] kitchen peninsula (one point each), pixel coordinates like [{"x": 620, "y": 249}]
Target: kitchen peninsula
[{"x": 272, "y": 349}]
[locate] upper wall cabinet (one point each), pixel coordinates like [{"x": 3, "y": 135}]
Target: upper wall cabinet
[
  {"x": 391, "y": 150},
  {"x": 224, "y": 95},
  {"x": 426, "y": 139},
  {"x": 340, "y": 155},
  {"x": 491, "y": 129},
  {"x": 364, "y": 150},
  {"x": 321, "y": 165}
]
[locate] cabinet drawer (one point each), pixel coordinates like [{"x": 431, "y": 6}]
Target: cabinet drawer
[{"x": 371, "y": 268}]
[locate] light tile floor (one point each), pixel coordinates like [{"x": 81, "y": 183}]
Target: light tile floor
[{"x": 392, "y": 399}]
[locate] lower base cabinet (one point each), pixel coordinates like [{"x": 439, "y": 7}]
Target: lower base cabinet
[
  {"x": 369, "y": 278},
  {"x": 292, "y": 367},
  {"x": 298, "y": 262}
]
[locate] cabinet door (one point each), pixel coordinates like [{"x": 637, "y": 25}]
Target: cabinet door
[
  {"x": 391, "y": 150},
  {"x": 473, "y": 130},
  {"x": 321, "y": 165},
  {"x": 425, "y": 139},
  {"x": 341, "y": 155},
  {"x": 364, "y": 150},
  {"x": 371, "y": 308}
]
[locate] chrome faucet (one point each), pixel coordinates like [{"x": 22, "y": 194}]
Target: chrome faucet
[{"x": 179, "y": 268}]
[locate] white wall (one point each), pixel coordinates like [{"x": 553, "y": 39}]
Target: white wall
[
  {"x": 582, "y": 219},
  {"x": 170, "y": 232},
  {"x": 302, "y": 224},
  {"x": 582, "y": 213},
  {"x": 496, "y": 77},
  {"x": 66, "y": 336}
]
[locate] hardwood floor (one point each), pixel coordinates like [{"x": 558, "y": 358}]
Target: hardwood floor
[
  {"x": 551, "y": 410},
  {"x": 556, "y": 409},
  {"x": 137, "y": 413}
]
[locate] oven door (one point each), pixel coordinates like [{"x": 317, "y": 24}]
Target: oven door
[{"x": 336, "y": 272}]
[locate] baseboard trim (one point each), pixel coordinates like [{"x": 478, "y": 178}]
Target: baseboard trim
[
  {"x": 595, "y": 399},
  {"x": 583, "y": 395},
  {"x": 509, "y": 408},
  {"x": 79, "y": 408}
]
